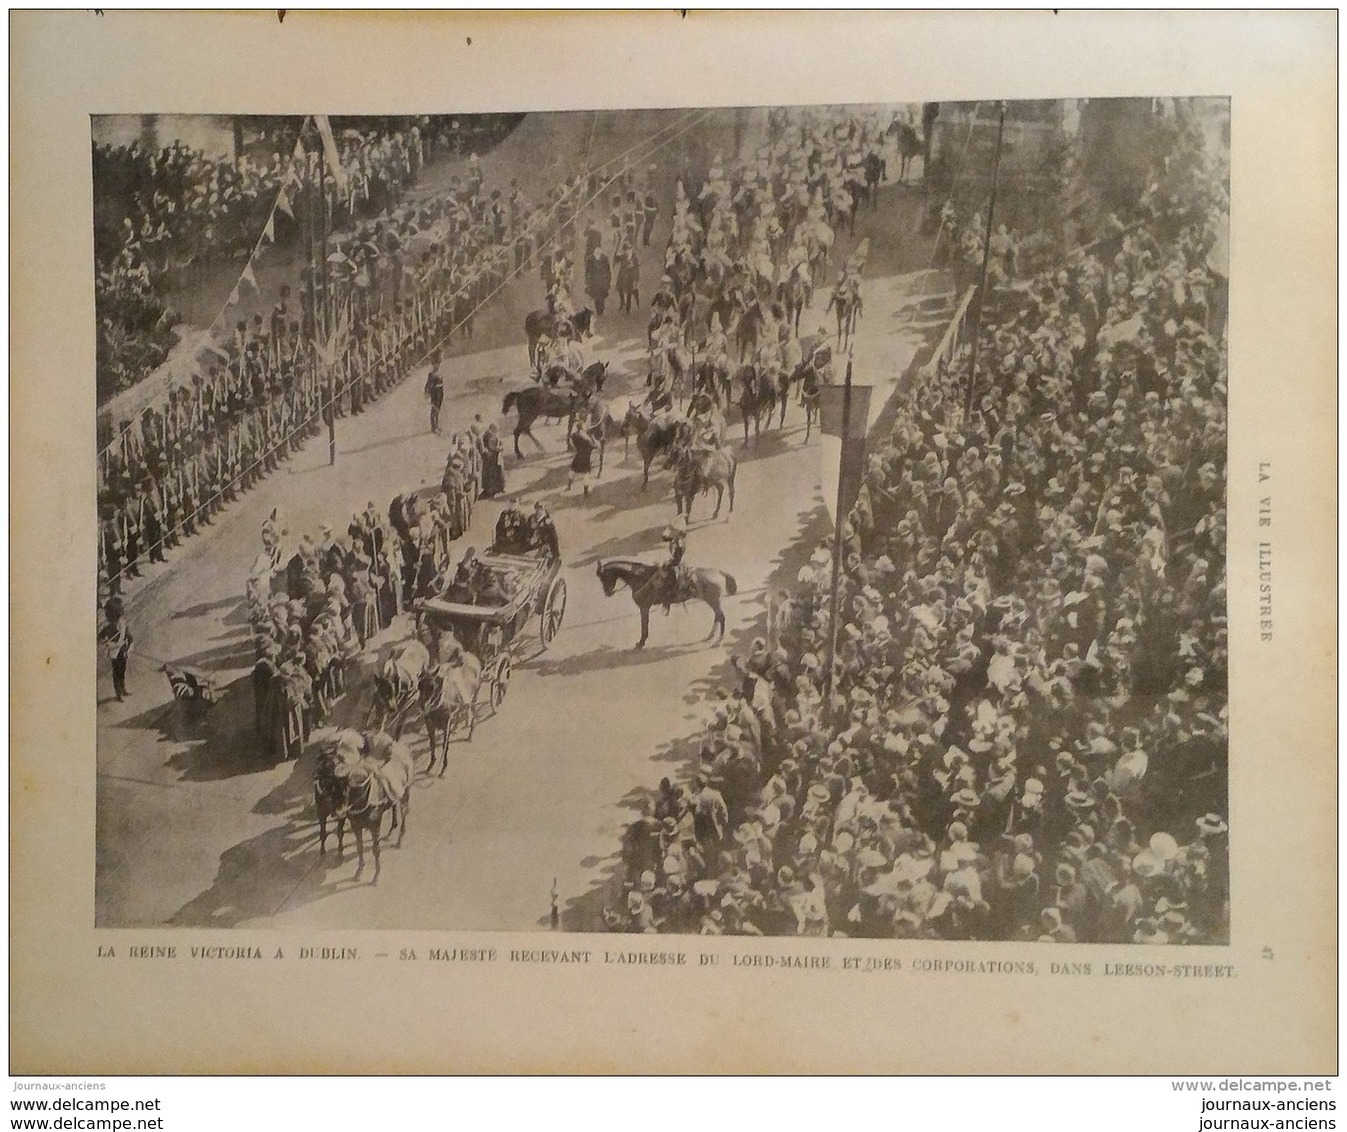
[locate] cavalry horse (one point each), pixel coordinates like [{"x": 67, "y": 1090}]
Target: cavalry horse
[
  {"x": 653, "y": 436},
  {"x": 651, "y": 585},
  {"x": 539, "y": 324},
  {"x": 448, "y": 694},
  {"x": 810, "y": 395},
  {"x": 696, "y": 471},
  {"x": 875, "y": 169},
  {"x": 796, "y": 293},
  {"x": 757, "y": 398},
  {"x": 358, "y": 779},
  {"x": 749, "y": 326},
  {"x": 910, "y": 145},
  {"x": 711, "y": 379},
  {"x": 552, "y": 404}
]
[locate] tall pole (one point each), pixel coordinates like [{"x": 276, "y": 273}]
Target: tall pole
[
  {"x": 311, "y": 268},
  {"x": 838, "y": 520},
  {"x": 986, "y": 253}
]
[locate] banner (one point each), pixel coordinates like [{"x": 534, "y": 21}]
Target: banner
[
  {"x": 843, "y": 457},
  {"x": 330, "y": 151}
]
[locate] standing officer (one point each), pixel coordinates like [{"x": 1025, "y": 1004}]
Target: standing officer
[
  {"x": 115, "y": 637},
  {"x": 435, "y": 395}
]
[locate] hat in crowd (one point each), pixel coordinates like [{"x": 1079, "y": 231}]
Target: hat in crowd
[
  {"x": 1164, "y": 846},
  {"x": 1148, "y": 931},
  {"x": 1146, "y": 864}
]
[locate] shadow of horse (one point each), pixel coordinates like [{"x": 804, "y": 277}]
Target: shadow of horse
[
  {"x": 607, "y": 658},
  {"x": 585, "y": 912},
  {"x": 627, "y": 546}
]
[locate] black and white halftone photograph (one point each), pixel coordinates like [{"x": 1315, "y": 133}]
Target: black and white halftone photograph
[{"x": 758, "y": 521}]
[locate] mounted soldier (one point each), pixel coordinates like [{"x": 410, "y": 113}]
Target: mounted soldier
[{"x": 669, "y": 582}]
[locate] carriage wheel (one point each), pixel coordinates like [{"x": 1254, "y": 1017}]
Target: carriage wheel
[
  {"x": 500, "y": 682},
  {"x": 554, "y": 610}
]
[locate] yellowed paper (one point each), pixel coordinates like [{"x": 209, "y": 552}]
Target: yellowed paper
[{"x": 239, "y": 998}]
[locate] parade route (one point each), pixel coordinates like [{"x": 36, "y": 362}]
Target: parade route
[{"x": 198, "y": 828}]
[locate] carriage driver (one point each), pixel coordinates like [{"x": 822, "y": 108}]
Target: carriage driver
[{"x": 543, "y": 531}]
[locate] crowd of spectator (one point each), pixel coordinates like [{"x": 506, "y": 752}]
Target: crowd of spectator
[
  {"x": 392, "y": 288},
  {"x": 1025, "y": 732},
  {"x": 162, "y": 213}
]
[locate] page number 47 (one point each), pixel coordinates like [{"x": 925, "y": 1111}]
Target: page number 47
[{"x": 1267, "y": 953}]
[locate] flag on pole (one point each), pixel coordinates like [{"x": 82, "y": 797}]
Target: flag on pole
[
  {"x": 269, "y": 232},
  {"x": 843, "y": 456},
  {"x": 283, "y": 203},
  {"x": 249, "y": 275},
  {"x": 233, "y": 297},
  {"x": 330, "y": 349},
  {"x": 330, "y": 151}
]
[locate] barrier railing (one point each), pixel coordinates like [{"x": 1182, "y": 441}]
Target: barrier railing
[{"x": 956, "y": 334}]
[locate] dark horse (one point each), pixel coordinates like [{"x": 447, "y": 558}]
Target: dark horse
[
  {"x": 910, "y": 145},
  {"x": 652, "y": 436},
  {"x": 757, "y": 398},
  {"x": 539, "y": 323},
  {"x": 552, "y": 404},
  {"x": 697, "y": 471},
  {"x": 795, "y": 293},
  {"x": 651, "y": 584},
  {"x": 876, "y": 168}
]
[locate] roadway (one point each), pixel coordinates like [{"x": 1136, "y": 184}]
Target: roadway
[{"x": 196, "y": 828}]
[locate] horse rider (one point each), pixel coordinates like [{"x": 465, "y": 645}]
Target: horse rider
[
  {"x": 543, "y": 531},
  {"x": 670, "y": 575}
]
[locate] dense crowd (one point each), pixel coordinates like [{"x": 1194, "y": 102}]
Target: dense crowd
[
  {"x": 1027, "y": 727},
  {"x": 313, "y": 613},
  {"x": 161, "y": 212}
]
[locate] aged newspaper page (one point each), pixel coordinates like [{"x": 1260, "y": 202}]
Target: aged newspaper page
[{"x": 429, "y": 434}]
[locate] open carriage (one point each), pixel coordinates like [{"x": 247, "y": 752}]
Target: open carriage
[{"x": 531, "y": 586}]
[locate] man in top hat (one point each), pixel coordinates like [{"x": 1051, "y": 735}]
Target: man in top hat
[{"x": 543, "y": 530}]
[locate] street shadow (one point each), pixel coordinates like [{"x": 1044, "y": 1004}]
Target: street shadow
[
  {"x": 235, "y": 653},
  {"x": 627, "y": 546},
  {"x": 282, "y": 867},
  {"x": 381, "y": 443},
  {"x": 201, "y": 610},
  {"x": 607, "y": 658}
]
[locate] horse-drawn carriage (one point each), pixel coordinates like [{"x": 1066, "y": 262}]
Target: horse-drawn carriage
[{"x": 531, "y": 585}]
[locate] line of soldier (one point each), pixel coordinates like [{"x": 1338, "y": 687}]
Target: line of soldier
[{"x": 216, "y": 437}]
